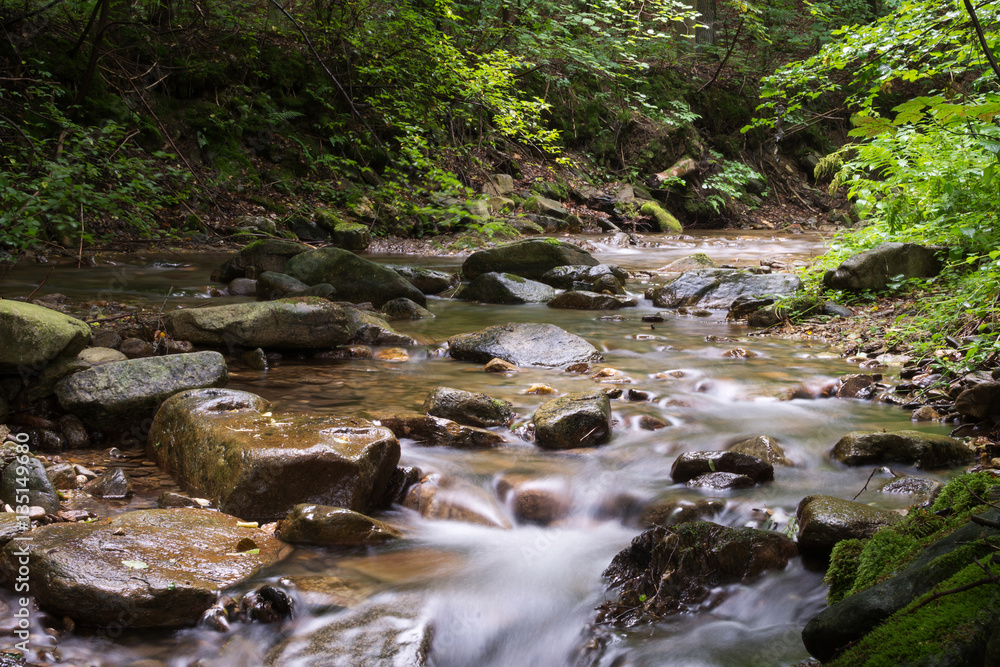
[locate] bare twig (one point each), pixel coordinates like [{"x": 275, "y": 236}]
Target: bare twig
[
  {"x": 874, "y": 470},
  {"x": 51, "y": 269}
]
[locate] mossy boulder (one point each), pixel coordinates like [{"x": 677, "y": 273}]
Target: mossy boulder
[
  {"x": 545, "y": 206},
  {"x": 257, "y": 257},
  {"x": 763, "y": 447},
  {"x": 528, "y": 258},
  {"x": 146, "y": 569},
  {"x": 664, "y": 221},
  {"x": 566, "y": 277},
  {"x": 293, "y": 323},
  {"x": 333, "y": 526},
  {"x": 356, "y": 279},
  {"x": 428, "y": 281},
  {"x": 505, "y": 288},
  {"x": 352, "y": 236},
  {"x": 467, "y": 407},
  {"x": 28, "y": 475},
  {"x": 273, "y": 285},
  {"x": 113, "y": 395},
  {"x": 581, "y": 419},
  {"x": 924, "y": 450},
  {"x": 227, "y": 446},
  {"x": 32, "y": 336},
  {"x": 586, "y": 300},
  {"x": 873, "y": 268},
  {"x": 825, "y": 520}
]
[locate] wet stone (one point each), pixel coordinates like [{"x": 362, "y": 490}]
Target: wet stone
[
  {"x": 826, "y": 520},
  {"x": 763, "y": 447},
  {"x": 333, "y": 526},
  {"x": 114, "y": 483},
  {"x": 470, "y": 408},
  {"x": 689, "y": 465},
  {"x": 720, "y": 481}
]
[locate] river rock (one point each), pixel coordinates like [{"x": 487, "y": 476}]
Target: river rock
[
  {"x": 719, "y": 288},
  {"x": 545, "y": 206},
  {"x": 437, "y": 432},
  {"x": 453, "y": 499},
  {"x": 523, "y": 344},
  {"x": 367, "y": 328},
  {"x": 873, "y": 268},
  {"x": 921, "y": 487},
  {"x": 295, "y": 323},
  {"x": 115, "y": 483},
  {"x": 404, "y": 309},
  {"x": 565, "y": 277},
  {"x": 35, "y": 335},
  {"x": 145, "y": 569},
  {"x": 505, "y": 288},
  {"x": 136, "y": 348},
  {"x": 379, "y": 633},
  {"x": 575, "y": 420},
  {"x": 466, "y": 407},
  {"x": 692, "y": 464},
  {"x": 100, "y": 355},
  {"x": 720, "y": 481},
  {"x": 113, "y": 395},
  {"x": 242, "y": 287},
  {"x": 980, "y": 401},
  {"x": 858, "y": 385},
  {"x": 699, "y": 260},
  {"x": 62, "y": 476},
  {"x": 764, "y": 447},
  {"x": 333, "y": 526},
  {"x": 673, "y": 511},
  {"x": 539, "y": 500},
  {"x": 258, "y": 257},
  {"x": 228, "y": 447},
  {"x": 924, "y": 450},
  {"x": 826, "y": 520},
  {"x": 352, "y": 236},
  {"x": 274, "y": 285},
  {"x": 356, "y": 279},
  {"x": 428, "y": 281},
  {"x": 666, "y": 571},
  {"x": 581, "y": 300},
  {"x": 11, "y": 525},
  {"x": 607, "y": 284},
  {"x": 28, "y": 474},
  {"x": 846, "y": 622},
  {"x": 528, "y": 258}
]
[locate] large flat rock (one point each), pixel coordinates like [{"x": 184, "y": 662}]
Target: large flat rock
[
  {"x": 719, "y": 288},
  {"x": 528, "y": 258},
  {"x": 523, "y": 344},
  {"x": 31, "y": 336},
  {"x": 227, "y": 446},
  {"x": 144, "y": 569}
]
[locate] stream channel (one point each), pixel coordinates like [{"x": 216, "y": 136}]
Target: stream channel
[{"x": 523, "y": 596}]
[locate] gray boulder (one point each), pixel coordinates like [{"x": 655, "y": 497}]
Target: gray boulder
[
  {"x": 565, "y": 277},
  {"x": 295, "y": 323},
  {"x": 113, "y": 395},
  {"x": 763, "y": 447},
  {"x": 333, "y": 526},
  {"x": 924, "y": 450},
  {"x": 428, "y": 281},
  {"x": 256, "y": 258},
  {"x": 404, "y": 309},
  {"x": 367, "y": 328},
  {"x": 32, "y": 336},
  {"x": 146, "y": 569},
  {"x": 528, "y": 258},
  {"x": 575, "y": 420},
  {"x": 523, "y": 344},
  {"x": 545, "y": 206},
  {"x": 30, "y": 476},
  {"x": 505, "y": 288},
  {"x": 466, "y": 407},
  {"x": 356, "y": 279},
  {"x": 719, "y": 288},
  {"x": 582, "y": 300},
  {"x": 274, "y": 285},
  {"x": 228, "y": 447},
  {"x": 873, "y": 268},
  {"x": 689, "y": 465},
  {"x": 826, "y": 520}
]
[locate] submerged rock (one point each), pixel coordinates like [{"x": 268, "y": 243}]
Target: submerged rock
[
  {"x": 113, "y": 395},
  {"x": 667, "y": 571},
  {"x": 924, "y": 450},
  {"x": 466, "y": 407},
  {"x": 763, "y": 447},
  {"x": 404, "y": 309},
  {"x": 826, "y": 520},
  {"x": 719, "y": 288},
  {"x": 228, "y": 447},
  {"x": 575, "y": 420},
  {"x": 333, "y": 526},
  {"x": 528, "y": 258},
  {"x": 523, "y": 344},
  {"x": 144, "y": 569},
  {"x": 34, "y": 335},
  {"x": 453, "y": 499},
  {"x": 294, "y": 323},
  {"x": 541, "y": 500},
  {"x": 438, "y": 432},
  {"x": 367, "y": 328}
]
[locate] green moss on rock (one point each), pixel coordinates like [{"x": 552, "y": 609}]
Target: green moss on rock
[{"x": 664, "y": 221}]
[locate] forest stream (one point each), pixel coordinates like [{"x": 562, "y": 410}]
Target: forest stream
[{"x": 526, "y": 595}]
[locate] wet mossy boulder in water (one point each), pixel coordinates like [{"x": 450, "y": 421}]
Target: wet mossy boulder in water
[
  {"x": 294, "y": 323},
  {"x": 428, "y": 281},
  {"x": 666, "y": 571},
  {"x": 404, "y": 309},
  {"x": 352, "y": 236},
  {"x": 439, "y": 432},
  {"x": 32, "y": 336},
  {"x": 689, "y": 465},
  {"x": 583, "y": 300},
  {"x": 581, "y": 419},
  {"x": 333, "y": 526},
  {"x": 565, "y": 277},
  {"x": 356, "y": 279},
  {"x": 826, "y": 520},
  {"x": 368, "y": 328},
  {"x": 467, "y": 407},
  {"x": 226, "y": 446},
  {"x": 256, "y": 258},
  {"x": 145, "y": 569},
  {"x": 763, "y": 447},
  {"x": 112, "y": 396},
  {"x": 529, "y": 258},
  {"x": 274, "y": 285},
  {"x": 924, "y": 450},
  {"x": 873, "y": 269},
  {"x": 506, "y": 288},
  {"x": 28, "y": 476},
  {"x": 523, "y": 344},
  {"x": 720, "y": 288}
]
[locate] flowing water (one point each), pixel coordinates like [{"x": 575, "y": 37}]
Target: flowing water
[{"x": 526, "y": 596}]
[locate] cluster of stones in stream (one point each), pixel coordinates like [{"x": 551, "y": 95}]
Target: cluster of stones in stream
[{"x": 74, "y": 394}]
